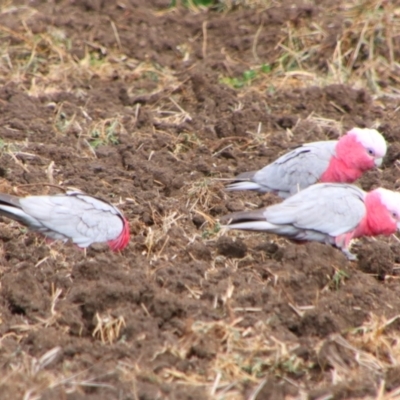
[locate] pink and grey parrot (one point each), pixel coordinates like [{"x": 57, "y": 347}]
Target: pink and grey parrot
[
  {"x": 343, "y": 160},
  {"x": 76, "y": 216},
  {"x": 330, "y": 213}
]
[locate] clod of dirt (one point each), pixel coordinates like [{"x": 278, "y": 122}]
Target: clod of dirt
[
  {"x": 229, "y": 247},
  {"x": 316, "y": 323},
  {"x": 332, "y": 353},
  {"x": 198, "y": 220},
  {"x": 168, "y": 359},
  {"x": 204, "y": 348},
  {"x": 71, "y": 316},
  {"x": 393, "y": 154},
  {"x": 352, "y": 389},
  {"x": 6, "y": 234},
  {"x": 392, "y": 378},
  {"x": 376, "y": 258},
  {"x": 42, "y": 340},
  {"x": 396, "y": 252},
  {"x": 199, "y": 251},
  {"x": 271, "y": 249},
  {"x": 276, "y": 390},
  {"x": 3, "y": 172},
  {"x": 286, "y": 121},
  {"x": 349, "y": 100},
  {"x": 371, "y": 180},
  {"x": 234, "y": 206},
  {"x": 24, "y": 294},
  {"x": 227, "y": 154},
  {"x": 168, "y": 306}
]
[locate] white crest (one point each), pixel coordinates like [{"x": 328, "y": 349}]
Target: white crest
[
  {"x": 370, "y": 139},
  {"x": 390, "y": 199}
]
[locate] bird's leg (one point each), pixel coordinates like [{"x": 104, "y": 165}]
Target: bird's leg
[
  {"x": 350, "y": 256},
  {"x": 343, "y": 243}
]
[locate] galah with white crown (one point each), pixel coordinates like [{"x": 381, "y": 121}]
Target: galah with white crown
[
  {"x": 74, "y": 216},
  {"x": 330, "y": 213},
  {"x": 342, "y": 161}
]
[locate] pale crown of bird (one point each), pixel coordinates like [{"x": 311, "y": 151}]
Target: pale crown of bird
[
  {"x": 371, "y": 139},
  {"x": 391, "y": 200}
]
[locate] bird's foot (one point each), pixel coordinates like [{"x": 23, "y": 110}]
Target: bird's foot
[{"x": 350, "y": 256}]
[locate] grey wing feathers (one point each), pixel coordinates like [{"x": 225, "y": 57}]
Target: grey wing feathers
[
  {"x": 96, "y": 202},
  {"x": 104, "y": 221},
  {"x": 81, "y": 218},
  {"x": 326, "y": 207},
  {"x": 294, "y": 171},
  {"x": 297, "y": 169}
]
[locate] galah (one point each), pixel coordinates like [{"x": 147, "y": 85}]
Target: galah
[
  {"x": 330, "y": 213},
  {"x": 343, "y": 160},
  {"x": 76, "y": 216}
]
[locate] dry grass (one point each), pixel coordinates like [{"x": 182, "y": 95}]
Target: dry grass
[
  {"x": 157, "y": 236},
  {"x": 247, "y": 355},
  {"x": 368, "y": 351},
  {"x": 108, "y": 328},
  {"x": 364, "y": 55},
  {"x": 360, "y": 53},
  {"x": 36, "y": 377},
  {"x": 240, "y": 356}
]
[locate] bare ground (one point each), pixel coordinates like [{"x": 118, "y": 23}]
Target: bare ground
[{"x": 148, "y": 106}]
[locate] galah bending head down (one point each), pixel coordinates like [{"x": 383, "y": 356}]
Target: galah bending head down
[
  {"x": 74, "y": 216},
  {"x": 330, "y": 213},
  {"x": 341, "y": 161}
]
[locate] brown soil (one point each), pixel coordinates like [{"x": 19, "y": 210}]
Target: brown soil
[{"x": 271, "y": 317}]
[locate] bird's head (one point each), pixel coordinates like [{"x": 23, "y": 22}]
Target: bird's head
[
  {"x": 391, "y": 201},
  {"x": 371, "y": 147}
]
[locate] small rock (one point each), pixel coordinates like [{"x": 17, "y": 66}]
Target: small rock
[
  {"x": 376, "y": 258},
  {"x": 199, "y": 251},
  {"x": 229, "y": 247},
  {"x": 198, "y": 220}
]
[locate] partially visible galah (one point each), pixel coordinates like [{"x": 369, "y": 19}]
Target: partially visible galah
[
  {"x": 343, "y": 160},
  {"x": 76, "y": 216},
  {"x": 330, "y": 213}
]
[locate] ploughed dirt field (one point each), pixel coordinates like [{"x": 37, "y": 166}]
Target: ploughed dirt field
[{"x": 149, "y": 105}]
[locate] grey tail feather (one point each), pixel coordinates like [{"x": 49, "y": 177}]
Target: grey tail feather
[
  {"x": 9, "y": 200},
  {"x": 14, "y": 217},
  {"x": 253, "y": 226},
  {"x": 244, "y": 182},
  {"x": 243, "y": 185},
  {"x": 243, "y": 216},
  {"x": 245, "y": 176}
]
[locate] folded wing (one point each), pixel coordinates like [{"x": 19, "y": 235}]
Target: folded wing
[
  {"x": 291, "y": 172},
  {"x": 325, "y": 209},
  {"x": 78, "y": 217}
]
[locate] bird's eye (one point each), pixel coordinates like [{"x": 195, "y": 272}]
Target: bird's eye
[
  {"x": 394, "y": 214},
  {"x": 370, "y": 152}
]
